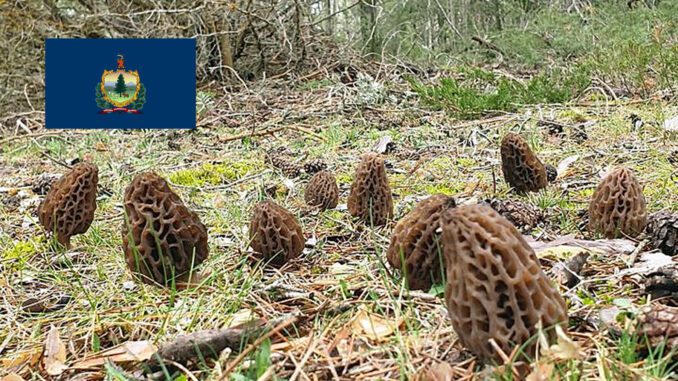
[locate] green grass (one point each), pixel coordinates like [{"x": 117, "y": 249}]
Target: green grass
[{"x": 482, "y": 92}]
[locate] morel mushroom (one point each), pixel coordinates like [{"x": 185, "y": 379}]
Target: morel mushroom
[
  {"x": 68, "y": 208},
  {"x": 322, "y": 191},
  {"x": 521, "y": 167},
  {"x": 370, "y": 198},
  {"x": 415, "y": 243},
  {"x": 275, "y": 233},
  {"x": 618, "y": 206},
  {"x": 162, "y": 239},
  {"x": 495, "y": 288}
]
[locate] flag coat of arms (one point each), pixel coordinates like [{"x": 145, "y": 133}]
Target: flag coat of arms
[
  {"x": 120, "y": 90},
  {"x": 120, "y": 83}
]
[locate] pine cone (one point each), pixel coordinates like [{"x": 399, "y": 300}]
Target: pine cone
[
  {"x": 523, "y": 216},
  {"x": 314, "y": 166},
  {"x": 407, "y": 154},
  {"x": 551, "y": 173},
  {"x": 280, "y": 157},
  {"x": 663, "y": 230},
  {"x": 279, "y": 151},
  {"x": 42, "y": 184},
  {"x": 579, "y": 134},
  {"x": 673, "y": 157},
  {"x": 659, "y": 323},
  {"x": 289, "y": 168}
]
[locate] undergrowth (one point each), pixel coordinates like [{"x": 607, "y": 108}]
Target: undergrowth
[{"x": 480, "y": 92}]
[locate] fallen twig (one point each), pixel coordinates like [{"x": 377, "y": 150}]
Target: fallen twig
[
  {"x": 256, "y": 344},
  {"x": 209, "y": 343}
]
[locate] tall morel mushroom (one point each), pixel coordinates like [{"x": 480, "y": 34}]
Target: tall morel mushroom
[
  {"x": 322, "y": 191},
  {"x": 68, "y": 208},
  {"x": 415, "y": 243},
  {"x": 275, "y": 233},
  {"x": 162, "y": 239},
  {"x": 370, "y": 198},
  {"x": 521, "y": 167},
  {"x": 495, "y": 288},
  {"x": 618, "y": 206}
]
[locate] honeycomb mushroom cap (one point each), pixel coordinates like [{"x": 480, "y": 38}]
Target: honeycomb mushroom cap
[
  {"x": 162, "y": 239},
  {"x": 618, "y": 206},
  {"x": 68, "y": 208},
  {"x": 322, "y": 191},
  {"x": 275, "y": 233},
  {"x": 415, "y": 243},
  {"x": 495, "y": 286},
  {"x": 370, "y": 198},
  {"x": 521, "y": 167}
]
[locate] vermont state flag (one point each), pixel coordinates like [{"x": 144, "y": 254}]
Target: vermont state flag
[{"x": 120, "y": 83}]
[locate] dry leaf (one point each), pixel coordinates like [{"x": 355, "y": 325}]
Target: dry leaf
[
  {"x": 373, "y": 326},
  {"x": 436, "y": 372},
  {"x": 542, "y": 372},
  {"x": 671, "y": 125},
  {"x": 131, "y": 351},
  {"x": 54, "y": 356},
  {"x": 383, "y": 144},
  {"x": 100, "y": 146},
  {"x": 564, "y": 348},
  {"x": 12, "y": 377},
  {"x": 341, "y": 270},
  {"x": 240, "y": 317},
  {"x": 565, "y": 164},
  {"x": 561, "y": 252},
  {"x": 29, "y": 358},
  {"x": 608, "y": 246},
  {"x": 192, "y": 279}
]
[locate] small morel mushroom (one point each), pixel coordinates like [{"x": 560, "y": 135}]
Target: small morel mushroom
[
  {"x": 496, "y": 289},
  {"x": 370, "y": 198},
  {"x": 521, "y": 167},
  {"x": 618, "y": 206},
  {"x": 415, "y": 243},
  {"x": 314, "y": 166},
  {"x": 162, "y": 239},
  {"x": 322, "y": 191},
  {"x": 68, "y": 208},
  {"x": 662, "y": 228},
  {"x": 275, "y": 233}
]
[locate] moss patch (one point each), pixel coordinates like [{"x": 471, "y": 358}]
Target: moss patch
[{"x": 214, "y": 173}]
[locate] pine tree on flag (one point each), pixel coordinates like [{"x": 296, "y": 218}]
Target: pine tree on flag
[{"x": 120, "y": 86}]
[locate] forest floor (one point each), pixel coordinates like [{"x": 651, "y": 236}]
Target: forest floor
[{"x": 353, "y": 318}]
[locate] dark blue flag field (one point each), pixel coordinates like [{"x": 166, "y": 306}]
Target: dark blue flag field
[{"x": 120, "y": 83}]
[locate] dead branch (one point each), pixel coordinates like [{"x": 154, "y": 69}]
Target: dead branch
[{"x": 210, "y": 343}]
